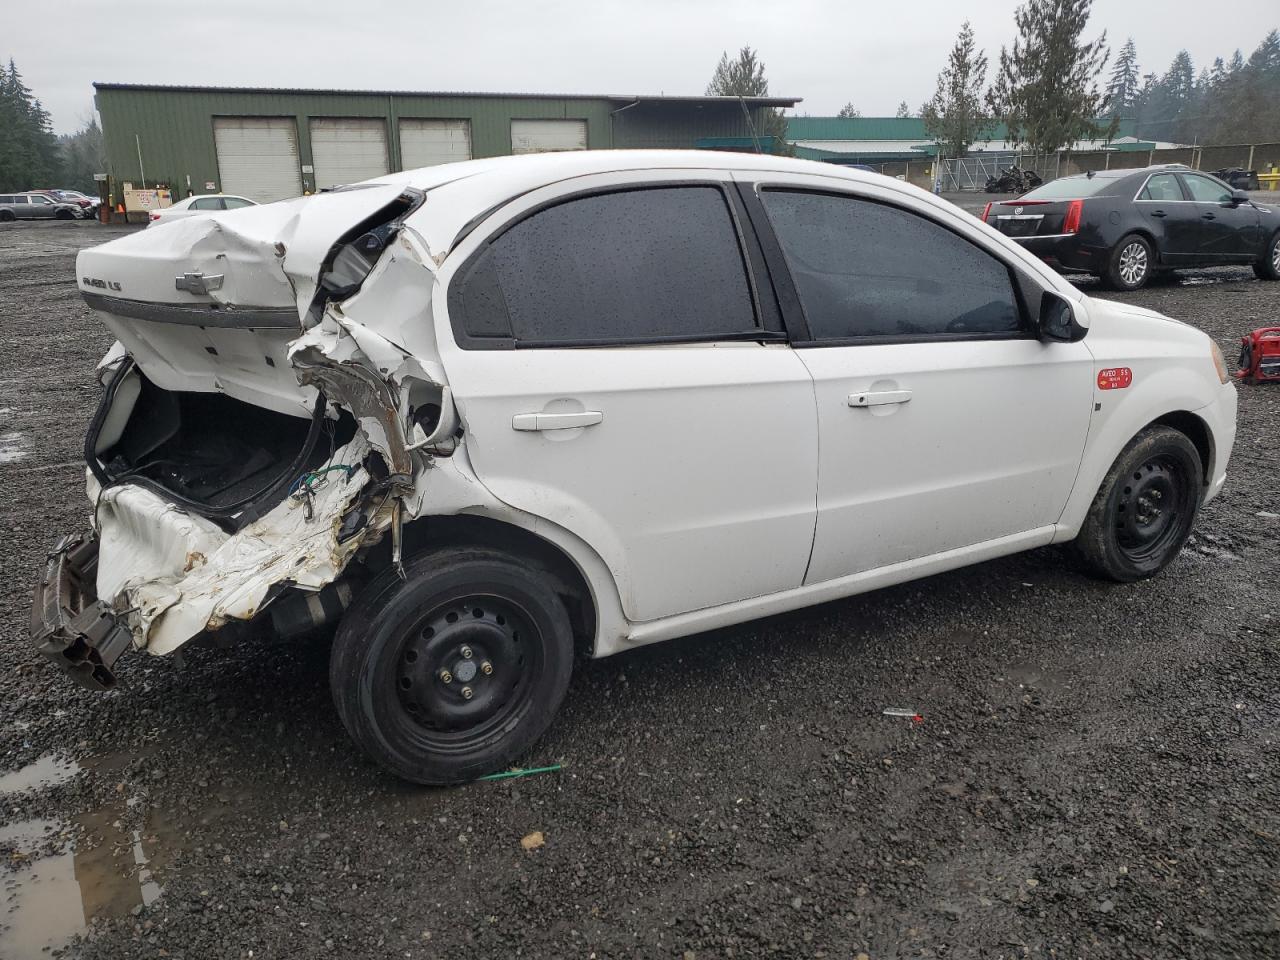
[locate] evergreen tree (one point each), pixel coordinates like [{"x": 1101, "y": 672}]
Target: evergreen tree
[
  {"x": 743, "y": 76},
  {"x": 1046, "y": 90},
  {"x": 903, "y": 110},
  {"x": 849, "y": 111},
  {"x": 29, "y": 155},
  {"x": 955, "y": 116},
  {"x": 1122, "y": 88}
]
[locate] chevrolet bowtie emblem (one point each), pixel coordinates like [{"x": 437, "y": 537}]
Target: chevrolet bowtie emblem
[{"x": 197, "y": 282}]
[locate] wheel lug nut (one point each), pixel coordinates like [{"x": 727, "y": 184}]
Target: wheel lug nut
[
  {"x": 466, "y": 693},
  {"x": 446, "y": 676},
  {"x": 466, "y": 653},
  {"x": 486, "y": 668}
]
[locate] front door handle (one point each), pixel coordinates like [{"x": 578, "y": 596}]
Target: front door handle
[
  {"x": 878, "y": 398},
  {"x": 556, "y": 421},
  {"x": 1158, "y": 213}
]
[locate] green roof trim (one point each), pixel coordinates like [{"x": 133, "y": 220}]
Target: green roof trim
[{"x": 894, "y": 128}]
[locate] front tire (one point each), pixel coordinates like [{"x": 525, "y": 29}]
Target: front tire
[
  {"x": 454, "y": 671},
  {"x": 1130, "y": 264},
  {"x": 1145, "y": 508},
  {"x": 1268, "y": 268}
]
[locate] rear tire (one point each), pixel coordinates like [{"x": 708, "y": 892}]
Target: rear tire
[
  {"x": 1130, "y": 263},
  {"x": 6, "y": 216},
  {"x": 1145, "y": 508},
  {"x": 1268, "y": 268},
  {"x": 454, "y": 671}
]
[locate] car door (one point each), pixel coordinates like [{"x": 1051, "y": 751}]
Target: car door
[
  {"x": 38, "y": 206},
  {"x": 1226, "y": 231},
  {"x": 943, "y": 422},
  {"x": 621, "y": 372},
  {"x": 1171, "y": 216}
]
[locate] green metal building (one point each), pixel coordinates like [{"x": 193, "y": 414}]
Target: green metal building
[{"x": 267, "y": 144}]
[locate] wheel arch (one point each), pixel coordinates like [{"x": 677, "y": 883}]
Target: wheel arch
[
  {"x": 571, "y": 583},
  {"x": 1194, "y": 429}
]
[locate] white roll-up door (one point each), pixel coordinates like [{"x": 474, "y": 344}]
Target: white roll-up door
[
  {"x": 258, "y": 157},
  {"x": 543, "y": 136},
  {"x": 425, "y": 143},
  {"x": 347, "y": 149}
]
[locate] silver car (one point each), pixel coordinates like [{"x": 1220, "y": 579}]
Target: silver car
[{"x": 36, "y": 206}]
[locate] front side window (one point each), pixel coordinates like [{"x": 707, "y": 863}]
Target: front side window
[
  {"x": 1206, "y": 190},
  {"x": 1162, "y": 187},
  {"x": 866, "y": 269},
  {"x": 38, "y": 198},
  {"x": 660, "y": 263}
]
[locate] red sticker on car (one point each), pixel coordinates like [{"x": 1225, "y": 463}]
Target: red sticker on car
[{"x": 1114, "y": 378}]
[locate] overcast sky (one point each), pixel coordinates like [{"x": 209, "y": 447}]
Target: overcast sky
[{"x": 826, "y": 51}]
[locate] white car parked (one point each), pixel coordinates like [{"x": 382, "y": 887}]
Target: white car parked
[
  {"x": 206, "y": 203},
  {"x": 485, "y": 414}
]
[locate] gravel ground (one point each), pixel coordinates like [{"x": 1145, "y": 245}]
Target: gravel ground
[{"x": 1095, "y": 774}]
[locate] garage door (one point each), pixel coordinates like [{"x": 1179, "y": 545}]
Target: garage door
[
  {"x": 258, "y": 157},
  {"x": 347, "y": 150},
  {"x": 541, "y": 136},
  {"x": 424, "y": 143}
]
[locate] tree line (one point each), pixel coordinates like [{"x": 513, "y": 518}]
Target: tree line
[
  {"x": 1048, "y": 89},
  {"x": 1231, "y": 101},
  {"x": 32, "y": 157}
]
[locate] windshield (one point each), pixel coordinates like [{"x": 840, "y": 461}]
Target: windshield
[{"x": 1071, "y": 188}]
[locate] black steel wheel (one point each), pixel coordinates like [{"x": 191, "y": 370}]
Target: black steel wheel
[
  {"x": 454, "y": 671},
  {"x": 1145, "y": 508}
]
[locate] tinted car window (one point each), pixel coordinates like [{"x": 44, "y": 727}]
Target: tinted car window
[
  {"x": 1163, "y": 186},
  {"x": 867, "y": 269},
  {"x": 660, "y": 263},
  {"x": 234, "y": 203},
  {"x": 6, "y": 199},
  {"x": 206, "y": 203},
  {"x": 1206, "y": 190},
  {"x": 1071, "y": 188}
]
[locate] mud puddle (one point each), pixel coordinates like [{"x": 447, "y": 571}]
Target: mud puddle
[{"x": 59, "y": 876}]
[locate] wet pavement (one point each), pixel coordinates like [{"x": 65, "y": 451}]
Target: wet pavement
[{"x": 1093, "y": 774}]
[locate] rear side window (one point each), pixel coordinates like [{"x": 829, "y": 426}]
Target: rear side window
[
  {"x": 234, "y": 203},
  {"x": 207, "y": 203},
  {"x": 653, "y": 264},
  {"x": 4, "y": 199},
  {"x": 1163, "y": 187},
  {"x": 866, "y": 269}
]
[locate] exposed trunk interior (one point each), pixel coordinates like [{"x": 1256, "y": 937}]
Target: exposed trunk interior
[{"x": 224, "y": 458}]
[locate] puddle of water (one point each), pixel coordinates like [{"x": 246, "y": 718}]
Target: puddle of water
[
  {"x": 45, "y": 772},
  {"x": 12, "y": 447},
  {"x": 68, "y": 875}
]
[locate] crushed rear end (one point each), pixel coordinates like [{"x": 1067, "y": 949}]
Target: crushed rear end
[{"x": 269, "y": 412}]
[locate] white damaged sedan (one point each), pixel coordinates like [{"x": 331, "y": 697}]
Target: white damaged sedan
[{"x": 485, "y": 415}]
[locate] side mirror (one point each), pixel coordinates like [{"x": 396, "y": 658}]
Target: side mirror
[
  {"x": 1237, "y": 197},
  {"x": 1058, "y": 320}
]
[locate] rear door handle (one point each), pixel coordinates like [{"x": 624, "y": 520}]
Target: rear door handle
[
  {"x": 1158, "y": 213},
  {"x": 555, "y": 421},
  {"x": 1209, "y": 216},
  {"x": 879, "y": 398}
]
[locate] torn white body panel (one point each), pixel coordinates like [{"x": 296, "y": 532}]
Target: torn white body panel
[{"x": 176, "y": 575}]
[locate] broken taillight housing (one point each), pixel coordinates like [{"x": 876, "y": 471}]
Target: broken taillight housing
[{"x": 1071, "y": 223}]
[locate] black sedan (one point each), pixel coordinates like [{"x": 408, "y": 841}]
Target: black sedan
[{"x": 1125, "y": 225}]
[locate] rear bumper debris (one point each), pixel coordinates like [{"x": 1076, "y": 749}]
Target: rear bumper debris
[{"x": 69, "y": 624}]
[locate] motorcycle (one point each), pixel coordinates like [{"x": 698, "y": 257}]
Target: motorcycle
[{"x": 1014, "y": 180}]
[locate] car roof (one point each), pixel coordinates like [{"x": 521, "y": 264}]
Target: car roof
[{"x": 460, "y": 192}]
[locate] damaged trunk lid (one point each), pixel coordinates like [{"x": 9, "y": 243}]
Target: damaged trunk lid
[{"x": 211, "y": 303}]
